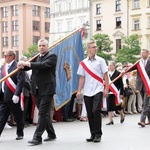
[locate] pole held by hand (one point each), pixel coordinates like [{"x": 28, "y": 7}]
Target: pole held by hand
[{"x": 53, "y": 45}]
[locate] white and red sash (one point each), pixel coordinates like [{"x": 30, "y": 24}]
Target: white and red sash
[
  {"x": 91, "y": 72},
  {"x": 12, "y": 85},
  {"x": 9, "y": 81},
  {"x": 144, "y": 76},
  {"x": 115, "y": 91}
]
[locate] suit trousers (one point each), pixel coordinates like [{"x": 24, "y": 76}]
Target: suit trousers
[
  {"x": 44, "y": 121},
  {"x": 146, "y": 109},
  {"x": 5, "y": 109},
  {"x": 93, "y": 107}
]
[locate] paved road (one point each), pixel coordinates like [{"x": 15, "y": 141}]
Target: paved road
[{"x": 72, "y": 135}]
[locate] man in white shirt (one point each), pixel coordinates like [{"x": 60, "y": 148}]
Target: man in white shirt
[{"x": 92, "y": 71}]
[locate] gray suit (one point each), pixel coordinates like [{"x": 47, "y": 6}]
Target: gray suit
[{"x": 141, "y": 87}]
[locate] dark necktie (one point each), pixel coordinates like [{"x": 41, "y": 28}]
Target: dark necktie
[{"x": 41, "y": 57}]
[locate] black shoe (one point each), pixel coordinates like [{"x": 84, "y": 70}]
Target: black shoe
[
  {"x": 19, "y": 137},
  {"x": 97, "y": 139},
  {"x": 110, "y": 123},
  {"x": 122, "y": 120},
  {"x": 49, "y": 139},
  {"x": 35, "y": 142},
  {"x": 90, "y": 139}
]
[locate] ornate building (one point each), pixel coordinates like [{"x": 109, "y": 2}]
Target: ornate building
[{"x": 23, "y": 23}]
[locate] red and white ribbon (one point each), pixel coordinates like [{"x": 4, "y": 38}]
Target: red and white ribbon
[
  {"x": 144, "y": 76},
  {"x": 115, "y": 91},
  {"x": 12, "y": 85}
]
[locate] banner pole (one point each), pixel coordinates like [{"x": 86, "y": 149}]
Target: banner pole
[{"x": 53, "y": 45}]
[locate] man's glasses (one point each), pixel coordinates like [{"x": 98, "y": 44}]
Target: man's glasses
[{"x": 7, "y": 55}]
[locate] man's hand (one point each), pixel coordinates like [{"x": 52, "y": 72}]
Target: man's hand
[
  {"x": 22, "y": 64},
  {"x": 78, "y": 95},
  {"x": 15, "y": 99},
  {"x": 105, "y": 92}
]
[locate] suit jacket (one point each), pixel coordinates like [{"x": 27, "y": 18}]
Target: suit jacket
[
  {"x": 118, "y": 83},
  {"x": 17, "y": 78},
  {"x": 43, "y": 75},
  {"x": 27, "y": 86},
  {"x": 139, "y": 82}
]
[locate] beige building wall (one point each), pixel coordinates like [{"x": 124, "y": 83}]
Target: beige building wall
[
  {"x": 25, "y": 23},
  {"x": 107, "y": 17},
  {"x": 139, "y": 21}
]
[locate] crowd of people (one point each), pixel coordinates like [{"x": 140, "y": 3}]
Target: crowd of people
[{"x": 26, "y": 97}]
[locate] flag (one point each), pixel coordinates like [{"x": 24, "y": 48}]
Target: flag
[{"x": 69, "y": 54}]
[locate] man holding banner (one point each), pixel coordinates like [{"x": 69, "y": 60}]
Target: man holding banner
[
  {"x": 43, "y": 84},
  {"x": 92, "y": 71}
]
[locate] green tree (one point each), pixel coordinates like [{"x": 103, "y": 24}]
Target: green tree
[
  {"x": 31, "y": 50},
  {"x": 130, "y": 49},
  {"x": 104, "y": 45}
]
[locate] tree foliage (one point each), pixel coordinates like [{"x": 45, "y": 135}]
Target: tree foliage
[
  {"x": 103, "y": 42},
  {"x": 31, "y": 50},
  {"x": 130, "y": 49},
  {"x": 104, "y": 45}
]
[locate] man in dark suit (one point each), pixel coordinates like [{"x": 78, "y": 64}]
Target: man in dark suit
[
  {"x": 11, "y": 90},
  {"x": 145, "y": 60},
  {"x": 111, "y": 105},
  {"x": 43, "y": 88}
]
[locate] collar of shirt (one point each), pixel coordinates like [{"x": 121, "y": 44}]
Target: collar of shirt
[
  {"x": 41, "y": 55},
  {"x": 9, "y": 64},
  {"x": 111, "y": 72},
  {"x": 92, "y": 59}
]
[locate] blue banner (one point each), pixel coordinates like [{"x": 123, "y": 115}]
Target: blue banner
[{"x": 69, "y": 54}]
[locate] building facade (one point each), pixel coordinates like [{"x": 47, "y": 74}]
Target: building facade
[
  {"x": 110, "y": 17},
  {"x": 119, "y": 18},
  {"x": 66, "y": 16},
  {"x": 139, "y": 21},
  {"x": 23, "y": 23}
]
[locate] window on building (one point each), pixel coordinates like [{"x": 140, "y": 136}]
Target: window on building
[
  {"x": 5, "y": 41},
  {"x": 118, "y": 5},
  {"x": 98, "y": 25},
  {"x": 81, "y": 21},
  {"x": 148, "y": 22},
  {"x": 15, "y": 25},
  {"x": 15, "y": 10},
  {"x": 47, "y": 38},
  {"x": 36, "y": 39},
  {"x": 59, "y": 7},
  {"x": 118, "y": 22},
  {"x": 98, "y": 9},
  {"x": 47, "y": 12},
  {"x": 69, "y": 25},
  {"x": 136, "y": 4},
  {"x": 15, "y": 41},
  {"x": 118, "y": 44},
  {"x": 47, "y": 26},
  {"x": 80, "y": 3},
  {"x": 148, "y": 2},
  {"x": 136, "y": 24},
  {"x": 5, "y": 11},
  {"x": 59, "y": 26},
  {"x": 35, "y": 10},
  {"x": 149, "y": 44},
  {"x": 36, "y": 26},
  {"x": 5, "y": 26},
  {"x": 69, "y": 5}
]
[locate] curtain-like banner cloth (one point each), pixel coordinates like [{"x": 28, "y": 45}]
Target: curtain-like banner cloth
[{"x": 69, "y": 53}]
